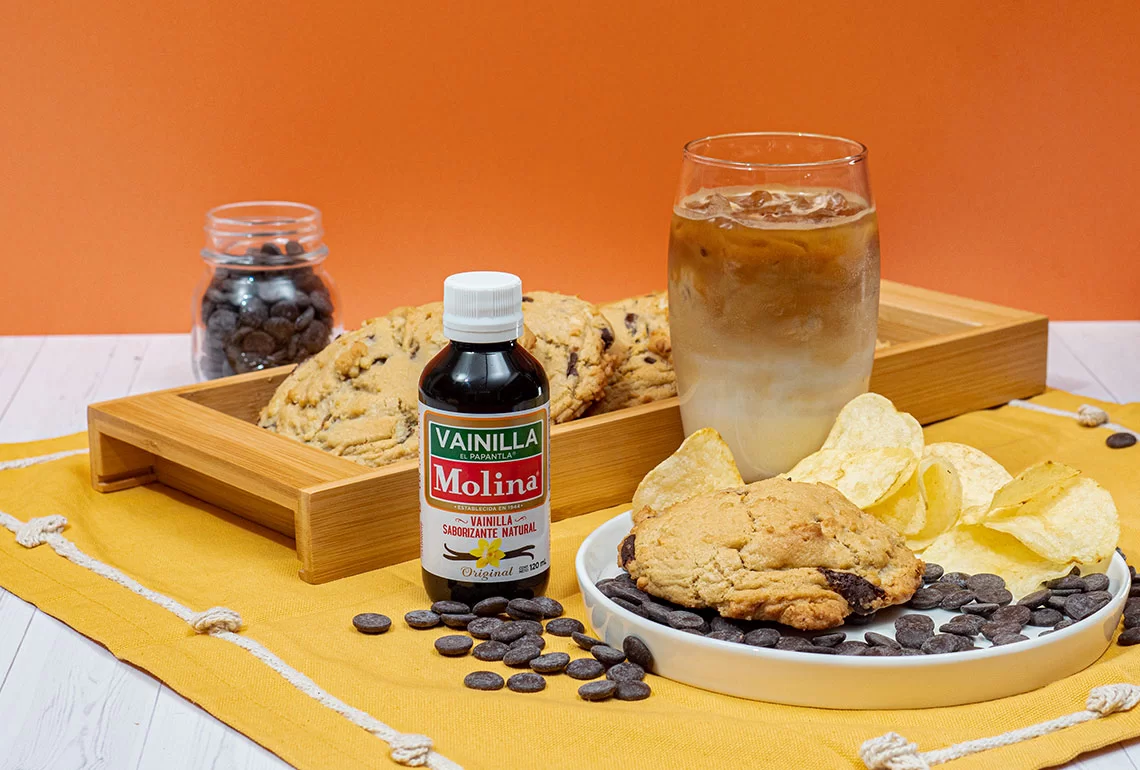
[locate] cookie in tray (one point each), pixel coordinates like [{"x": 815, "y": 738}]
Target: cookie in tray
[{"x": 357, "y": 398}]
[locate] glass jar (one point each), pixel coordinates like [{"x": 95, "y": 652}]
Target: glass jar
[{"x": 265, "y": 299}]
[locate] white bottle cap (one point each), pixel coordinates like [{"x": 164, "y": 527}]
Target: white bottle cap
[{"x": 482, "y": 306}]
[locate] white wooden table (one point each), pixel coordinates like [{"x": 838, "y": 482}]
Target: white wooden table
[{"x": 65, "y": 702}]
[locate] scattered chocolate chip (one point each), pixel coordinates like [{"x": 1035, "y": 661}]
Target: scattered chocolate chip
[
  {"x": 734, "y": 635},
  {"x": 550, "y": 663},
  {"x": 521, "y": 656},
  {"x": 658, "y": 613},
  {"x": 632, "y": 691},
  {"x": 1131, "y": 619},
  {"x": 1045, "y": 616},
  {"x": 531, "y": 627},
  {"x": 960, "y": 579},
  {"x": 984, "y": 580},
  {"x": 914, "y": 621},
  {"x": 762, "y": 637},
  {"x": 565, "y": 626},
  {"x": 626, "y": 672},
  {"x": 686, "y": 619},
  {"x": 793, "y": 643},
  {"x": 828, "y": 640},
  {"x": 530, "y": 640},
  {"x": 453, "y": 645},
  {"x": 1056, "y": 602},
  {"x": 815, "y": 649},
  {"x": 483, "y": 627},
  {"x": 932, "y": 572},
  {"x": 925, "y": 599},
  {"x": 953, "y": 601},
  {"x": 1014, "y": 613},
  {"x": 1095, "y": 582},
  {"x": 1069, "y": 581},
  {"x": 636, "y": 609},
  {"x": 879, "y": 640},
  {"x": 457, "y": 621},
  {"x": 606, "y": 655},
  {"x": 490, "y": 650},
  {"x": 524, "y": 609},
  {"x": 483, "y": 680},
  {"x": 982, "y": 608},
  {"x": 1129, "y": 637},
  {"x": 990, "y": 630},
  {"x": 1080, "y": 606},
  {"x": 852, "y": 647},
  {"x": 450, "y": 608},
  {"x": 881, "y": 652},
  {"x": 1003, "y": 639},
  {"x": 596, "y": 691},
  {"x": 1068, "y": 591},
  {"x": 527, "y": 682},
  {"x": 999, "y": 596},
  {"x": 1063, "y": 624},
  {"x": 1035, "y": 599},
  {"x": 421, "y": 619},
  {"x": 1120, "y": 440},
  {"x": 584, "y": 641},
  {"x": 584, "y": 668},
  {"x": 371, "y": 623},
  {"x": 494, "y": 605},
  {"x": 963, "y": 625},
  {"x": 551, "y": 608},
  {"x": 943, "y": 643},
  {"x": 637, "y": 651},
  {"x": 508, "y": 632}
]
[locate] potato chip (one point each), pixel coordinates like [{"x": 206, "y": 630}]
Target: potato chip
[
  {"x": 870, "y": 421},
  {"x": 703, "y": 463},
  {"x": 1031, "y": 482},
  {"x": 863, "y": 477},
  {"x": 941, "y": 490},
  {"x": 904, "y": 511},
  {"x": 980, "y": 475},
  {"x": 1073, "y": 522},
  {"x": 974, "y": 549}
]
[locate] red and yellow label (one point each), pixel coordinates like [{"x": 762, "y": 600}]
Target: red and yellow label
[{"x": 484, "y": 494}]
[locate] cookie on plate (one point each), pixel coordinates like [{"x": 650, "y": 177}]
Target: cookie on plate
[
  {"x": 644, "y": 370},
  {"x": 358, "y": 397},
  {"x": 776, "y": 550},
  {"x": 573, "y": 342}
]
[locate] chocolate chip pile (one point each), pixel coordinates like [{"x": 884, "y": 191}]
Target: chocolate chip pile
[
  {"x": 261, "y": 318},
  {"x": 984, "y": 604},
  {"x": 512, "y": 632}
]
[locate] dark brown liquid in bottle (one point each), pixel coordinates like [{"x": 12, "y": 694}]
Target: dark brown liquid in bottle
[{"x": 486, "y": 378}]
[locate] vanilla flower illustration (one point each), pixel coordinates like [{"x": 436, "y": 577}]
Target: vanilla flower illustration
[{"x": 487, "y": 553}]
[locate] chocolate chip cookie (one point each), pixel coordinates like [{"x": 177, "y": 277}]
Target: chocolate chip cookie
[
  {"x": 573, "y": 342},
  {"x": 776, "y": 550},
  {"x": 644, "y": 369},
  {"x": 358, "y": 397}
]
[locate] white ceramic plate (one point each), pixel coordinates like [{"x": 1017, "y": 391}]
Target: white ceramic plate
[{"x": 841, "y": 681}]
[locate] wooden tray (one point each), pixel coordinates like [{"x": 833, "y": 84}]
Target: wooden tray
[{"x": 947, "y": 356}]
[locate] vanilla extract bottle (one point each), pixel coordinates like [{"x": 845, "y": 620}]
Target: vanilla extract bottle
[{"x": 484, "y": 449}]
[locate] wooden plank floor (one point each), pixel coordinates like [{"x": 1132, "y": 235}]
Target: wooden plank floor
[{"x": 66, "y": 703}]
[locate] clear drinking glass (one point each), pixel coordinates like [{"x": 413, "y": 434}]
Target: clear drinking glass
[{"x": 773, "y": 290}]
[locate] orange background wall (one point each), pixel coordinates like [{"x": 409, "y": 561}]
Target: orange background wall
[{"x": 544, "y": 138}]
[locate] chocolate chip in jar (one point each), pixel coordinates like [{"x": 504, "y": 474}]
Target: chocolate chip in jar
[{"x": 258, "y": 309}]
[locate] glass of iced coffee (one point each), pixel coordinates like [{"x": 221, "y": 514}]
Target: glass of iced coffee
[{"x": 773, "y": 290}]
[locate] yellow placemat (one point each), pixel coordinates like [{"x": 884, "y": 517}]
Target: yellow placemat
[{"x": 202, "y": 557}]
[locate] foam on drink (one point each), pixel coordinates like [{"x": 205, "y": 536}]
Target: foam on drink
[{"x": 773, "y": 304}]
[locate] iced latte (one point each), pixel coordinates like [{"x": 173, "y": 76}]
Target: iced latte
[{"x": 773, "y": 307}]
